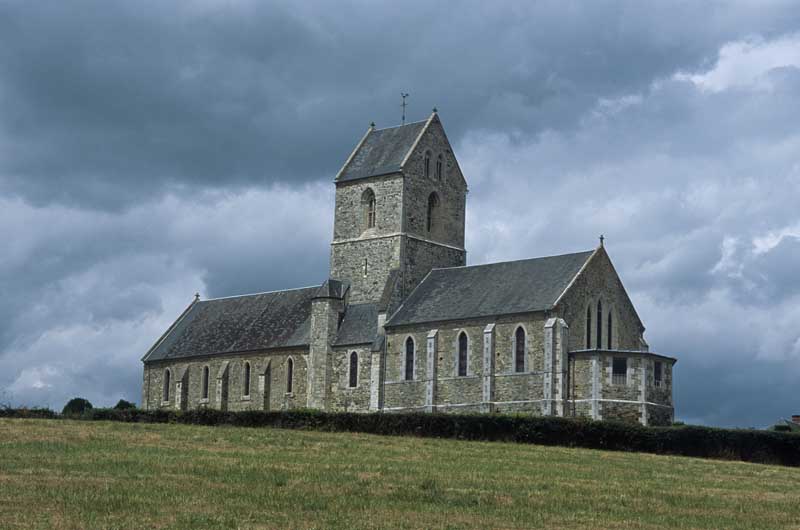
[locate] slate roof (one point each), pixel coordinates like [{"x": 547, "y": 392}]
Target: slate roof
[
  {"x": 382, "y": 152},
  {"x": 279, "y": 319},
  {"x": 494, "y": 289},
  {"x": 360, "y": 325}
]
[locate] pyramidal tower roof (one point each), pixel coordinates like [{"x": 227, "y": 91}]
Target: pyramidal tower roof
[{"x": 383, "y": 151}]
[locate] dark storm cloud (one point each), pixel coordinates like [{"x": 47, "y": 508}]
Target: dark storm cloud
[
  {"x": 106, "y": 103},
  {"x": 149, "y": 150}
]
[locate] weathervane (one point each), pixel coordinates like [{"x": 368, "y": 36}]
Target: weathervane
[{"x": 403, "y": 104}]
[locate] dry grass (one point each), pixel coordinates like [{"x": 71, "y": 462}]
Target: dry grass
[{"x": 63, "y": 474}]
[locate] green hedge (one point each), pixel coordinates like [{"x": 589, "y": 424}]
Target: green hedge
[
  {"x": 738, "y": 444},
  {"x": 45, "y": 414},
  {"x": 767, "y": 447}
]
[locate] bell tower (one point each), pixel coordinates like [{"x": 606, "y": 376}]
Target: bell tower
[{"x": 400, "y": 210}]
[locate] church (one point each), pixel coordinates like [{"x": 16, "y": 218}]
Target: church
[{"x": 403, "y": 324}]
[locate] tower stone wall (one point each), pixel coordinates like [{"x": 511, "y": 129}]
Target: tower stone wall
[{"x": 402, "y": 237}]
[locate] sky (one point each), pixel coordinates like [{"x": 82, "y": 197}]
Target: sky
[{"x": 150, "y": 150}]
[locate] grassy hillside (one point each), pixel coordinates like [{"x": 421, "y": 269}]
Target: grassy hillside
[{"x": 65, "y": 474}]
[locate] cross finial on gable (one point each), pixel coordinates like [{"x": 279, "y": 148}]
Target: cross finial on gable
[
  {"x": 196, "y": 297},
  {"x": 602, "y": 239}
]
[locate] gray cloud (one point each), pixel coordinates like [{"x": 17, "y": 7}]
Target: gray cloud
[
  {"x": 150, "y": 150},
  {"x": 119, "y": 101}
]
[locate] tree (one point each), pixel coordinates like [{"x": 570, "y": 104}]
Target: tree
[
  {"x": 76, "y": 407},
  {"x": 123, "y": 405}
]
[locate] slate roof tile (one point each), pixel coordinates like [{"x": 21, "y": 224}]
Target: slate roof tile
[
  {"x": 279, "y": 319},
  {"x": 486, "y": 290},
  {"x": 359, "y": 326},
  {"x": 382, "y": 152}
]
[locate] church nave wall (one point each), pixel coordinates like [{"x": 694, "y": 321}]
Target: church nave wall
[{"x": 226, "y": 382}]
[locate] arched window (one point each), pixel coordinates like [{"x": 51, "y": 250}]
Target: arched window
[
  {"x": 608, "y": 331},
  {"x": 427, "y": 166},
  {"x": 599, "y": 324},
  {"x": 588, "y": 327},
  {"x": 462, "y": 354},
  {"x": 353, "y": 370},
  {"x": 519, "y": 350},
  {"x": 433, "y": 203},
  {"x": 167, "y": 376},
  {"x": 368, "y": 201},
  {"x": 409, "y": 359},
  {"x": 205, "y": 382},
  {"x": 246, "y": 379},
  {"x": 439, "y": 167},
  {"x": 289, "y": 375}
]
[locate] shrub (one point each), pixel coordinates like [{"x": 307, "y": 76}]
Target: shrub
[
  {"x": 123, "y": 405},
  {"x": 76, "y": 407},
  {"x": 24, "y": 412},
  {"x": 768, "y": 447},
  {"x": 737, "y": 444}
]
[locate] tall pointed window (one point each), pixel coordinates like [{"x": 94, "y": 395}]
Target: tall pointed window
[
  {"x": 167, "y": 376},
  {"x": 439, "y": 167},
  {"x": 599, "y": 324},
  {"x": 608, "y": 330},
  {"x": 588, "y": 327},
  {"x": 462, "y": 354},
  {"x": 353, "y": 370},
  {"x": 246, "y": 376},
  {"x": 427, "y": 164},
  {"x": 433, "y": 203},
  {"x": 409, "y": 367},
  {"x": 289, "y": 375},
  {"x": 519, "y": 350},
  {"x": 205, "y": 383},
  {"x": 368, "y": 201}
]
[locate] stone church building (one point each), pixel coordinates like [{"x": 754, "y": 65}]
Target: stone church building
[{"x": 402, "y": 324}]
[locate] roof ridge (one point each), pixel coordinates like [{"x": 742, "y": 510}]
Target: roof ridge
[
  {"x": 420, "y": 134},
  {"x": 512, "y": 261},
  {"x": 264, "y": 292},
  {"x": 401, "y": 125}
]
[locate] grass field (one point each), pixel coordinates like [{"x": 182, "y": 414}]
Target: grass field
[{"x": 69, "y": 474}]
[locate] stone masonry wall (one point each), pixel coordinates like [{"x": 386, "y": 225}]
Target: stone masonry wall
[
  {"x": 353, "y": 242},
  {"x": 350, "y": 216},
  {"x": 595, "y": 393},
  {"x": 325, "y": 315},
  {"x": 347, "y": 263},
  {"x": 599, "y": 281},
  {"x": 343, "y": 397},
  {"x": 513, "y": 391},
  {"x": 420, "y": 257},
  {"x": 449, "y": 218},
  {"x": 272, "y": 396}
]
